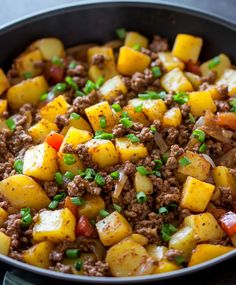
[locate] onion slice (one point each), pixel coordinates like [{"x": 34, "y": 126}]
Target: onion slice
[
  {"x": 209, "y": 159},
  {"x": 160, "y": 142},
  {"x": 227, "y": 159},
  {"x": 119, "y": 185}
]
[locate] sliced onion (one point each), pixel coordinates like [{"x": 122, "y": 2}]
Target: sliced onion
[
  {"x": 227, "y": 133},
  {"x": 209, "y": 159},
  {"x": 120, "y": 185},
  {"x": 227, "y": 159},
  {"x": 199, "y": 123},
  {"x": 160, "y": 142}
]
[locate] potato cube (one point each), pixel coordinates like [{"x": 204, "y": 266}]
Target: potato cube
[
  {"x": 22, "y": 191},
  {"x": 143, "y": 183},
  {"x": 3, "y": 106},
  {"x": 108, "y": 71},
  {"x": 40, "y": 162},
  {"x": 215, "y": 94},
  {"x": 5, "y": 242},
  {"x": 205, "y": 252},
  {"x": 26, "y": 63},
  {"x": 140, "y": 239},
  {"x": 183, "y": 240},
  {"x": 131, "y": 61},
  {"x": 205, "y": 227},
  {"x": 200, "y": 102},
  {"x": 54, "y": 108},
  {"x": 56, "y": 226},
  {"x": 196, "y": 194},
  {"x": 172, "y": 118},
  {"x": 64, "y": 167},
  {"x": 193, "y": 78},
  {"x": 103, "y": 152},
  {"x": 187, "y": 47},
  {"x": 228, "y": 78},
  {"x": 169, "y": 61},
  {"x": 223, "y": 63},
  {"x": 165, "y": 266},
  {"x": 3, "y": 216},
  {"x": 129, "y": 151},
  {"x": 92, "y": 207},
  {"x": 39, "y": 131},
  {"x": 80, "y": 124},
  {"x": 98, "y": 112},
  {"x": 4, "y": 83},
  {"x": 38, "y": 254},
  {"x": 107, "y": 52},
  {"x": 113, "y": 229},
  {"x": 27, "y": 91},
  {"x": 156, "y": 252},
  {"x": 198, "y": 168},
  {"x": 133, "y": 114},
  {"x": 134, "y": 38},
  {"x": 113, "y": 88},
  {"x": 154, "y": 109},
  {"x": 128, "y": 258},
  {"x": 222, "y": 177},
  {"x": 175, "y": 81}
]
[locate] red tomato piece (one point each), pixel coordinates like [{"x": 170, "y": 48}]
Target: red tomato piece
[
  {"x": 193, "y": 68},
  {"x": 84, "y": 228},
  {"x": 72, "y": 207},
  {"x": 56, "y": 73},
  {"x": 55, "y": 140},
  {"x": 228, "y": 223}
]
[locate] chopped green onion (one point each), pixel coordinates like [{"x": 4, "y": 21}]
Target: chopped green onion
[
  {"x": 103, "y": 122},
  {"x": 70, "y": 81},
  {"x": 26, "y": 220},
  {"x": 69, "y": 159},
  {"x": 115, "y": 175},
  {"x": 116, "y": 107},
  {"x": 100, "y": 180},
  {"x": 165, "y": 157},
  {"x": 10, "y": 124},
  {"x": 137, "y": 47},
  {"x": 138, "y": 108},
  {"x": 214, "y": 62},
  {"x": 121, "y": 33},
  {"x": 233, "y": 104},
  {"x": 78, "y": 265},
  {"x": 141, "y": 197},
  {"x": 158, "y": 163},
  {"x": 156, "y": 172},
  {"x": 179, "y": 260},
  {"x": 24, "y": 211},
  {"x": 100, "y": 82},
  {"x": 89, "y": 87},
  {"x": 181, "y": 98},
  {"x": 152, "y": 95},
  {"x": 72, "y": 64},
  {"x": 43, "y": 97},
  {"x": 59, "y": 197},
  {"x": 163, "y": 210},
  {"x": 117, "y": 208},
  {"x": 27, "y": 75},
  {"x": 126, "y": 122},
  {"x": 142, "y": 170},
  {"x": 79, "y": 93},
  {"x": 191, "y": 118},
  {"x": 18, "y": 166},
  {"x": 202, "y": 148},
  {"x": 153, "y": 129},
  {"x": 184, "y": 161},
  {"x": 103, "y": 135},
  {"x": 103, "y": 213},
  {"x": 199, "y": 134},
  {"x": 156, "y": 71},
  {"x": 59, "y": 178},
  {"x": 57, "y": 61},
  {"x": 167, "y": 231},
  {"x": 72, "y": 253},
  {"x": 125, "y": 115},
  {"x": 69, "y": 175},
  {"x": 89, "y": 173},
  {"x": 133, "y": 138},
  {"x": 74, "y": 116},
  {"x": 78, "y": 201},
  {"x": 60, "y": 87},
  {"x": 53, "y": 205}
]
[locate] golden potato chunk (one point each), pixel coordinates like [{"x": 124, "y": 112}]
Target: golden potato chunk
[
  {"x": 22, "y": 191},
  {"x": 143, "y": 183},
  {"x": 172, "y": 118},
  {"x": 140, "y": 239},
  {"x": 3, "y": 106},
  {"x": 228, "y": 78},
  {"x": 217, "y": 64},
  {"x": 156, "y": 252},
  {"x": 80, "y": 124},
  {"x": 56, "y": 226},
  {"x": 64, "y": 167},
  {"x": 107, "y": 52},
  {"x": 3, "y": 216},
  {"x": 92, "y": 207},
  {"x": 165, "y": 266},
  {"x": 4, "y": 83},
  {"x": 200, "y": 102},
  {"x": 153, "y": 109},
  {"x": 223, "y": 177},
  {"x": 169, "y": 61},
  {"x": 133, "y": 38},
  {"x": 113, "y": 88},
  {"x": 113, "y": 229},
  {"x": 131, "y": 110},
  {"x": 40, "y": 161},
  {"x": 5, "y": 242},
  {"x": 193, "y": 78}
]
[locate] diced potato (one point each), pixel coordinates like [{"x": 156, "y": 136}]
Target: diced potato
[
  {"x": 165, "y": 266},
  {"x": 200, "y": 102},
  {"x": 187, "y": 47},
  {"x": 108, "y": 71},
  {"x": 134, "y": 115},
  {"x": 228, "y": 78},
  {"x": 26, "y": 63},
  {"x": 172, "y": 118},
  {"x": 54, "y": 108},
  {"x": 134, "y": 38},
  {"x": 103, "y": 152},
  {"x": 198, "y": 168},
  {"x": 205, "y": 227},
  {"x": 196, "y": 194},
  {"x": 224, "y": 63},
  {"x": 214, "y": 92},
  {"x": 40, "y": 161},
  {"x": 22, "y": 191},
  {"x": 169, "y": 61},
  {"x": 83, "y": 257},
  {"x": 39, "y": 131},
  {"x": 205, "y": 252},
  {"x": 153, "y": 109},
  {"x": 94, "y": 204},
  {"x": 183, "y": 240},
  {"x": 113, "y": 229},
  {"x": 27, "y": 91},
  {"x": 38, "y": 254},
  {"x": 193, "y": 78},
  {"x": 4, "y": 83},
  {"x": 156, "y": 252},
  {"x": 140, "y": 239},
  {"x": 80, "y": 124},
  {"x": 113, "y": 88},
  {"x": 131, "y": 61},
  {"x": 128, "y": 258},
  {"x": 143, "y": 183},
  {"x": 63, "y": 167},
  {"x": 3, "y": 216},
  {"x": 96, "y": 112},
  {"x": 107, "y": 52},
  {"x": 3, "y": 106},
  {"x": 129, "y": 151},
  {"x": 5, "y": 242},
  {"x": 175, "y": 81},
  {"x": 49, "y": 47},
  {"x": 56, "y": 226}
]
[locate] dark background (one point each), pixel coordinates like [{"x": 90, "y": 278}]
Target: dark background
[{"x": 11, "y": 10}]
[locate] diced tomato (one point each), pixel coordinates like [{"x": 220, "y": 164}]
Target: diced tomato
[
  {"x": 84, "y": 228},
  {"x": 72, "y": 207},
  {"x": 227, "y": 119},
  {"x": 193, "y": 67},
  {"x": 228, "y": 223},
  {"x": 56, "y": 73},
  {"x": 55, "y": 140}
]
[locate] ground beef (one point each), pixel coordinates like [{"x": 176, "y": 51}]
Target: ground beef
[
  {"x": 118, "y": 130},
  {"x": 209, "y": 78},
  {"x": 172, "y": 254},
  {"x": 6, "y": 168},
  {"x": 215, "y": 148},
  {"x": 225, "y": 199},
  {"x": 81, "y": 70},
  {"x": 96, "y": 268},
  {"x": 170, "y": 135},
  {"x": 145, "y": 135},
  {"x": 98, "y": 59},
  {"x": 222, "y": 106},
  {"x": 140, "y": 81},
  {"x": 51, "y": 188},
  {"x": 61, "y": 268},
  {"x": 223, "y": 90},
  {"x": 129, "y": 168},
  {"x": 183, "y": 214},
  {"x": 150, "y": 53},
  {"x": 81, "y": 103},
  {"x": 62, "y": 121},
  {"x": 82, "y": 152},
  {"x": 158, "y": 44}
]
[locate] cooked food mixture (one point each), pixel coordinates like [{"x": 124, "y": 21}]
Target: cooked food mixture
[{"x": 117, "y": 160}]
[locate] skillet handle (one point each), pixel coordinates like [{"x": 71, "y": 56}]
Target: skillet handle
[{"x": 14, "y": 278}]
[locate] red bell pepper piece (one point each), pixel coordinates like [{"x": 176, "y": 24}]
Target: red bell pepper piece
[
  {"x": 72, "y": 207},
  {"x": 84, "y": 228},
  {"x": 56, "y": 73},
  {"x": 55, "y": 140},
  {"x": 228, "y": 223}
]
